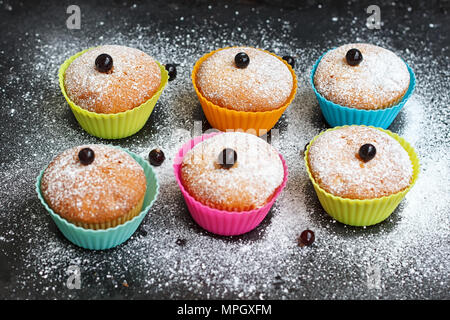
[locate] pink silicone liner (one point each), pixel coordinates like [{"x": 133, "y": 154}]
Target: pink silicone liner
[{"x": 222, "y": 222}]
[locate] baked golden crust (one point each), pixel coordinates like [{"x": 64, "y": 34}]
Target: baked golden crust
[
  {"x": 265, "y": 84},
  {"x": 335, "y": 165},
  {"x": 379, "y": 81},
  {"x": 249, "y": 184},
  {"x": 107, "y": 190},
  {"x": 134, "y": 79}
]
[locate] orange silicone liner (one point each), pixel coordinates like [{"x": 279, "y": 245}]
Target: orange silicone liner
[{"x": 252, "y": 122}]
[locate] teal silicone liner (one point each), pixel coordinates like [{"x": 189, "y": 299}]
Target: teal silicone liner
[
  {"x": 337, "y": 115},
  {"x": 107, "y": 238}
]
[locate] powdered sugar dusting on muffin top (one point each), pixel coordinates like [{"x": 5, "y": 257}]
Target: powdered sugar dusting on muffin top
[
  {"x": 106, "y": 189},
  {"x": 379, "y": 81},
  {"x": 134, "y": 78},
  {"x": 335, "y": 164},
  {"x": 265, "y": 84},
  {"x": 249, "y": 184}
]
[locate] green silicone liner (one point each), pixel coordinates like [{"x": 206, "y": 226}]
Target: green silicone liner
[
  {"x": 356, "y": 212},
  {"x": 111, "y": 237},
  {"x": 117, "y": 125}
]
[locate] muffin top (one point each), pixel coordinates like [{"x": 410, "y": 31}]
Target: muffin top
[
  {"x": 133, "y": 79},
  {"x": 264, "y": 84},
  {"x": 380, "y": 80},
  {"x": 248, "y": 184},
  {"x": 337, "y": 167},
  {"x": 106, "y": 189}
]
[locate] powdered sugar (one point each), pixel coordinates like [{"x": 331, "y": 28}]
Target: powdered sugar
[
  {"x": 336, "y": 167},
  {"x": 265, "y": 84},
  {"x": 248, "y": 185},
  {"x": 409, "y": 252},
  {"x": 379, "y": 81},
  {"x": 133, "y": 79},
  {"x": 108, "y": 188}
]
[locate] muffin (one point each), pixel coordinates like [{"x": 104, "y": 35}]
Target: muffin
[
  {"x": 361, "y": 84},
  {"x": 229, "y": 180},
  {"x": 264, "y": 84},
  {"x": 369, "y": 77},
  {"x": 246, "y": 184},
  {"x": 360, "y": 173},
  {"x": 94, "y": 186},
  {"x": 337, "y": 163},
  {"x": 112, "y": 79},
  {"x": 112, "y": 90},
  {"x": 243, "y": 88}
]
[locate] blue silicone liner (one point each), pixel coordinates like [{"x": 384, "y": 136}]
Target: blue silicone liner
[
  {"x": 337, "y": 115},
  {"x": 111, "y": 237}
]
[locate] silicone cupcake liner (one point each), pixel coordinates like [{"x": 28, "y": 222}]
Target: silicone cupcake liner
[
  {"x": 111, "y": 224},
  {"x": 366, "y": 212},
  {"x": 111, "y": 237},
  {"x": 117, "y": 125},
  {"x": 337, "y": 115},
  {"x": 252, "y": 122},
  {"x": 222, "y": 222}
]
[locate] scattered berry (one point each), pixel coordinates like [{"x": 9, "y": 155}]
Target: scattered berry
[
  {"x": 156, "y": 157},
  {"x": 290, "y": 60},
  {"x": 306, "y": 147},
  {"x": 171, "y": 70},
  {"x": 306, "y": 238}
]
